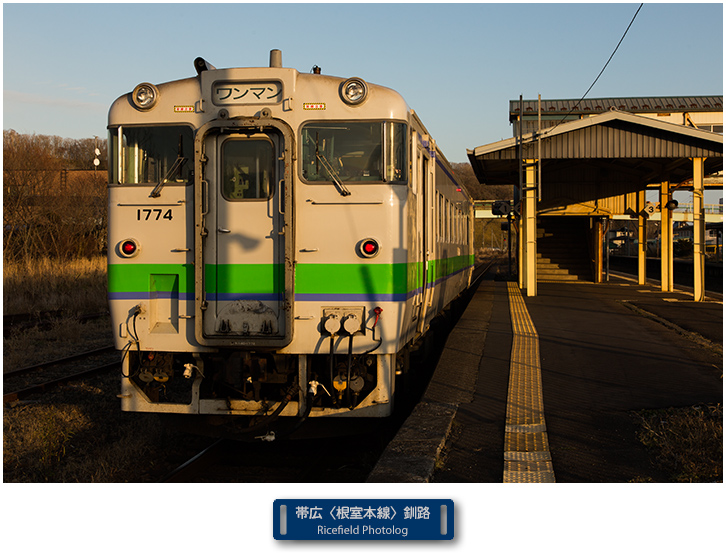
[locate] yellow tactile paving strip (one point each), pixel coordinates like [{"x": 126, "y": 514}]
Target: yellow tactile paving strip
[{"x": 526, "y": 449}]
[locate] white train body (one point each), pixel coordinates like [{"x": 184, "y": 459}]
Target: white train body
[{"x": 263, "y": 226}]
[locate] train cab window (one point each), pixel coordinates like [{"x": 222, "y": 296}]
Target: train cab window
[
  {"x": 247, "y": 169},
  {"x": 150, "y": 154},
  {"x": 364, "y": 152},
  {"x": 395, "y": 152}
]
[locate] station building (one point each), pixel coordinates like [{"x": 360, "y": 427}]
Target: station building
[{"x": 577, "y": 165}]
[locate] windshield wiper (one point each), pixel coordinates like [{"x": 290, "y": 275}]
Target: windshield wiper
[
  {"x": 333, "y": 174},
  {"x": 174, "y": 168},
  {"x": 178, "y": 163}
]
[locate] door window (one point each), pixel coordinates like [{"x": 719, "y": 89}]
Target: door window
[{"x": 248, "y": 169}]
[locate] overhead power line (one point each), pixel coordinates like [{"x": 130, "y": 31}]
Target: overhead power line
[{"x": 604, "y": 67}]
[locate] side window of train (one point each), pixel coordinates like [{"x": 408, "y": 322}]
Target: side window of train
[
  {"x": 449, "y": 222},
  {"x": 248, "y": 168},
  {"x": 441, "y": 217},
  {"x": 396, "y": 165},
  {"x": 354, "y": 151},
  {"x": 140, "y": 155}
]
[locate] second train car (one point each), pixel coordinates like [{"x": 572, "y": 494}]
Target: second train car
[{"x": 277, "y": 242}]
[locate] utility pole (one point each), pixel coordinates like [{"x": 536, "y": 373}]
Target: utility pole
[{"x": 96, "y": 161}]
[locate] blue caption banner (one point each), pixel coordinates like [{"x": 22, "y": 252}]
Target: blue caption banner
[{"x": 351, "y": 519}]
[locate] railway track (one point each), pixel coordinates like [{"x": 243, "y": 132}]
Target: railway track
[
  {"x": 30, "y": 370},
  {"x": 42, "y": 377},
  {"x": 346, "y": 459}
]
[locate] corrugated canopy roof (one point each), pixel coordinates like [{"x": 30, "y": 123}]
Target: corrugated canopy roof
[
  {"x": 654, "y": 149},
  {"x": 561, "y": 107}
]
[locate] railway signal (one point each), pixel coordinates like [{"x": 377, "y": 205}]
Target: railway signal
[{"x": 501, "y": 207}]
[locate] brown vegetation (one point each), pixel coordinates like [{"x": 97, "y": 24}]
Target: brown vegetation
[
  {"x": 77, "y": 433},
  {"x": 54, "y": 205},
  {"x": 685, "y": 442},
  {"x": 465, "y": 175},
  {"x": 77, "y": 286},
  {"x": 63, "y": 337}
]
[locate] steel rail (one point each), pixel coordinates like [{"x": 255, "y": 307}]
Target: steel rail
[
  {"x": 52, "y": 363},
  {"x": 481, "y": 272},
  {"x": 204, "y": 458},
  {"x": 42, "y": 387}
]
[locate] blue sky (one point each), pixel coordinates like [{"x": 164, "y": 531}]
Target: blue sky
[{"x": 457, "y": 65}]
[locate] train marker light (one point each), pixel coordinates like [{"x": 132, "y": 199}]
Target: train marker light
[
  {"x": 354, "y": 91},
  {"x": 145, "y": 96},
  {"x": 369, "y": 248},
  {"x": 128, "y": 247}
]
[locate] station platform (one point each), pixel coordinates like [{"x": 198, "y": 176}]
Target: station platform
[{"x": 543, "y": 389}]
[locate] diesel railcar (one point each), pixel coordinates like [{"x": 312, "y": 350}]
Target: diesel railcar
[{"x": 277, "y": 242}]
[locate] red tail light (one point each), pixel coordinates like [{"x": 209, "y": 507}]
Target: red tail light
[
  {"x": 128, "y": 247},
  {"x": 369, "y": 247}
]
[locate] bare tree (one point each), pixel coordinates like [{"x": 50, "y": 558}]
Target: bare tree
[
  {"x": 465, "y": 175},
  {"x": 49, "y": 208}
]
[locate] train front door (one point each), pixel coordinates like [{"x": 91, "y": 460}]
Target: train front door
[{"x": 244, "y": 272}]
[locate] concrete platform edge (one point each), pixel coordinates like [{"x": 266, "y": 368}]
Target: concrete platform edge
[{"x": 412, "y": 454}]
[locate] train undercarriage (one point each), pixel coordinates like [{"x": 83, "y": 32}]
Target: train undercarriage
[{"x": 258, "y": 383}]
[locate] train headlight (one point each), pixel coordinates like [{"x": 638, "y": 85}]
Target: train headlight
[
  {"x": 354, "y": 91},
  {"x": 368, "y": 248},
  {"x": 128, "y": 248},
  {"x": 145, "y": 96}
]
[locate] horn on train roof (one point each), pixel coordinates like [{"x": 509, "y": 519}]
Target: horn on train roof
[
  {"x": 275, "y": 58},
  {"x": 201, "y": 65}
]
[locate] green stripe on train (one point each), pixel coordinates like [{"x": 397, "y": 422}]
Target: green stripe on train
[
  {"x": 358, "y": 278},
  {"x": 247, "y": 278},
  {"x": 132, "y": 277},
  {"x": 441, "y": 268}
]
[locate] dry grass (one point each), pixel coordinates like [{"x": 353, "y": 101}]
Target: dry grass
[
  {"x": 32, "y": 452},
  {"x": 77, "y": 287},
  {"x": 61, "y": 440},
  {"x": 63, "y": 338},
  {"x": 77, "y": 433},
  {"x": 35, "y": 285},
  {"x": 686, "y": 442}
]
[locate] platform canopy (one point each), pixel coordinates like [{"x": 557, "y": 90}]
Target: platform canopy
[
  {"x": 601, "y": 166},
  {"x": 614, "y": 147}
]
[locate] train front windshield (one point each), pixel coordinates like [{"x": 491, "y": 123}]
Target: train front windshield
[
  {"x": 150, "y": 154},
  {"x": 356, "y": 151}
]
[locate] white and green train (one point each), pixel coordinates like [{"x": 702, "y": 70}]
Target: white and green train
[{"x": 277, "y": 242}]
